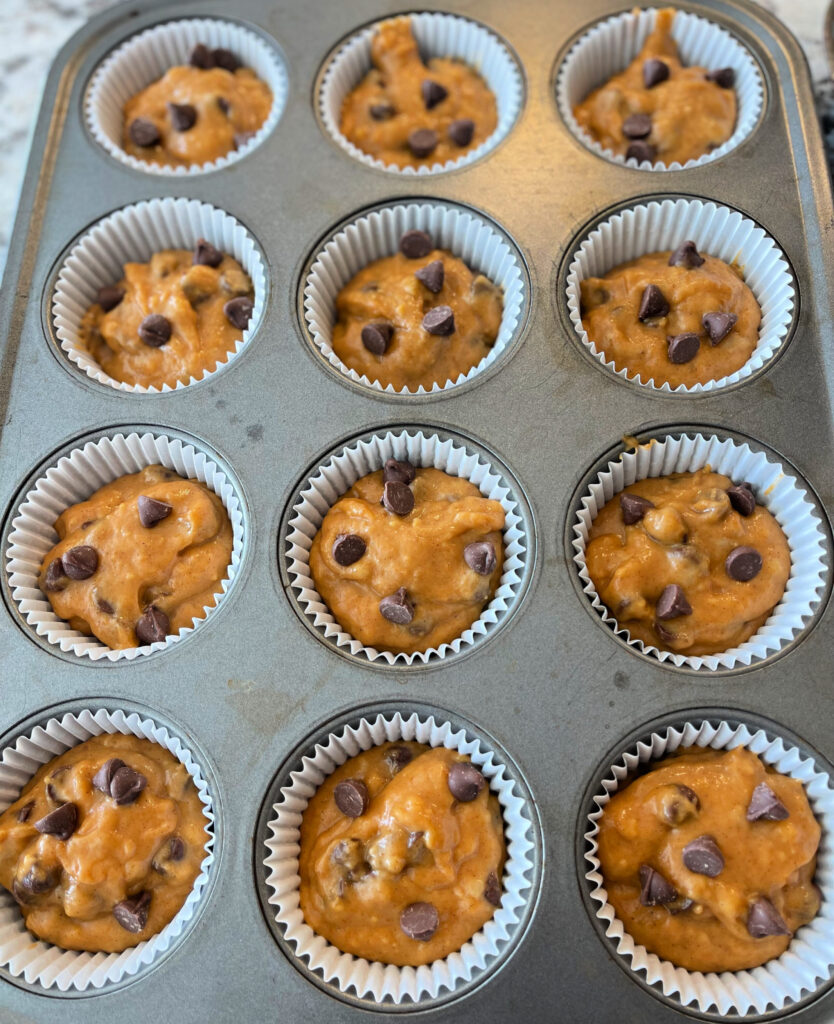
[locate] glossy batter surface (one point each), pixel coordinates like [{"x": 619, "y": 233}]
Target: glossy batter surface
[
  {"x": 650, "y": 823},
  {"x": 388, "y": 290},
  {"x": 685, "y": 540},
  {"x": 610, "y": 307},
  {"x": 690, "y": 115},
  {"x": 422, "y": 552},
  {"x": 415, "y": 843},
  {"x": 67, "y": 888},
  {"x": 190, "y": 296},
  {"x": 175, "y": 566},
  {"x": 395, "y": 84}
]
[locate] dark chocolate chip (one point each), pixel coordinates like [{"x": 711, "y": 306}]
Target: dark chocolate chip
[
  {"x": 654, "y": 888},
  {"x": 465, "y": 781},
  {"x": 480, "y": 557},
  {"x": 348, "y": 548},
  {"x": 104, "y": 776},
  {"x": 672, "y": 603},
  {"x": 224, "y": 105},
  {"x": 24, "y": 812},
  {"x": 176, "y": 849},
  {"x": 765, "y": 805},
  {"x": 225, "y": 59},
  {"x": 461, "y": 131},
  {"x": 238, "y": 311},
  {"x": 183, "y": 116},
  {"x": 652, "y": 303},
  {"x": 414, "y": 245},
  {"x": 241, "y": 139},
  {"x": 37, "y": 880},
  {"x": 432, "y": 275},
  {"x": 682, "y": 348},
  {"x": 205, "y": 254},
  {"x": 422, "y": 142},
  {"x": 201, "y": 57},
  {"x": 61, "y": 822},
  {"x": 718, "y": 325},
  {"x": 109, "y": 297},
  {"x": 132, "y": 913},
  {"x": 152, "y": 511},
  {"x": 634, "y": 508},
  {"x": 743, "y": 563},
  {"x": 725, "y": 77},
  {"x": 352, "y": 797},
  {"x": 681, "y": 808},
  {"x": 126, "y": 785},
  {"x": 381, "y": 111},
  {"x": 492, "y": 890},
  {"x": 80, "y": 562},
  {"x": 742, "y": 498},
  {"x": 637, "y": 126},
  {"x": 105, "y": 606},
  {"x": 641, "y": 151},
  {"x": 397, "y": 608},
  {"x": 763, "y": 919},
  {"x": 55, "y": 576},
  {"x": 703, "y": 857},
  {"x": 433, "y": 93},
  {"x": 686, "y": 255},
  {"x": 143, "y": 132},
  {"x": 666, "y": 635},
  {"x": 153, "y": 626},
  {"x": 376, "y": 337},
  {"x": 398, "y": 470},
  {"x": 655, "y": 71},
  {"x": 155, "y": 330},
  {"x": 397, "y": 498},
  {"x": 397, "y": 758},
  {"x": 440, "y": 321},
  {"x": 420, "y": 921}
]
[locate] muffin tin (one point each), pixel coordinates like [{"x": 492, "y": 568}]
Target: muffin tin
[{"x": 252, "y": 689}]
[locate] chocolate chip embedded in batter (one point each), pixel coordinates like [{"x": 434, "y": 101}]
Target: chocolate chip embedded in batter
[
  {"x": 61, "y": 822},
  {"x": 348, "y": 548},
  {"x": 703, "y": 857},
  {"x": 352, "y": 797},
  {"x": 143, "y": 132},
  {"x": 480, "y": 557},
  {"x": 637, "y": 126},
  {"x": 377, "y": 337},
  {"x": 104, "y": 776},
  {"x": 224, "y": 105},
  {"x": 105, "y": 606},
  {"x": 742, "y": 498},
  {"x": 686, "y": 255},
  {"x": 414, "y": 245},
  {"x": 655, "y": 71},
  {"x": 155, "y": 330},
  {"x": 422, "y": 142},
  {"x": 765, "y": 805},
  {"x": 397, "y": 608},
  {"x": 381, "y": 111},
  {"x": 462, "y": 131},
  {"x": 666, "y": 635},
  {"x": 109, "y": 297},
  {"x": 672, "y": 603},
  {"x": 225, "y": 59},
  {"x": 80, "y": 562},
  {"x": 201, "y": 57},
  {"x": 725, "y": 77},
  {"x": 654, "y": 888},
  {"x": 420, "y": 921},
  {"x": 398, "y": 470},
  {"x": 55, "y": 576},
  {"x": 652, "y": 303},
  {"x": 153, "y": 626},
  {"x": 641, "y": 151},
  {"x": 432, "y": 93},
  {"x": 718, "y": 325},
  {"x": 205, "y": 254},
  {"x": 174, "y": 850},
  {"x": 763, "y": 919},
  {"x": 432, "y": 275},
  {"x": 682, "y": 348},
  {"x": 183, "y": 116},
  {"x": 37, "y": 880},
  {"x": 743, "y": 563},
  {"x": 492, "y": 889},
  {"x": 152, "y": 511},
  {"x": 24, "y": 812},
  {"x": 439, "y": 321},
  {"x": 126, "y": 785},
  {"x": 677, "y": 804},
  {"x": 634, "y": 508},
  {"x": 238, "y": 311},
  {"x": 132, "y": 913},
  {"x": 465, "y": 781},
  {"x": 397, "y": 758},
  {"x": 397, "y": 498}
]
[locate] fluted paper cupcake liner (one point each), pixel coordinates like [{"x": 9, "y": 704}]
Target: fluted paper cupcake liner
[
  {"x": 74, "y": 478},
  {"x": 387, "y": 981},
  {"x": 376, "y": 236},
  {"x": 144, "y": 58},
  {"x": 339, "y": 472},
  {"x": 437, "y": 35},
  {"x": 611, "y": 45},
  {"x": 43, "y": 963},
  {"x": 776, "y": 488},
  {"x": 717, "y": 231},
  {"x": 808, "y": 960},
  {"x": 132, "y": 235}
]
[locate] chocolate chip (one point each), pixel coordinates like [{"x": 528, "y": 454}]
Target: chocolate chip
[
  {"x": 725, "y": 77},
  {"x": 440, "y": 321},
  {"x": 176, "y": 849},
  {"x": 201, "y": 57},
  {"x": 352, "y": 797},
  {"x": 132, "y": 913},
  {"x": 654, "y": 888},
  {"x": 238, "y": 311},
  {"x": 765, "y": 805},
  {"x": 742, "y": 498},
  {"x": 655, "y": 71},
  {"x": 433, "y": 93},
  {"x": 397, "y": 498},
  {"x": 155, "y": 330},
  {"x": 348, "y": 548},
  {"x": 682, "y": 348},
  {"x": 397, "y": 608},
  {"x": 105, "y": 606},
  {"x": 703, "y": 857},
  {"x": 225, "y": 59},
  {"x": 672, "y": 603},
  {"x": 224, "y": 105},
  {"x": 242, "y": 139},
  {"x": 432, "y": 275},
  {"x": 461, "y": 131},
  {"x": 153, "y": 626},
  {"x": 104, "y": 776},
  {"x": 109, "y": 297},
  {"x": 25, "y": 811},
  {"x": 686, "y": 255},
  {"x": 126, "y": 785},
  {"x": 414, "y": 245},
  {"x": 420, "y": 921},
  {"x": 634, "y": 508},
  {"x": 397, "y": 758},
  {"x": 205, "y": 254},
  {"x": 398, "y": 470},
  {"x": 652, "y": 303},
  {"x": 465, "y": 781},
  {"x": 143, "y": 132},
  {"x": 183, "y": 116},
  {"x": 637, "y": 126},
  {"x": 376, "y": 337},
  {"x": 492, "y": 890},
  {"x": 61, "y": 822},
  {"x": 763, "y": 919},
  {"x": 381, "y": 111},
  {"x": 422, "y": 142},
  {"x": 152, "y": 511},
  {"x": 37, "y": 880},
  {"x": 666, "y": 635},
  {"x": 718, "y": 325},
  {"x": 80, "y": 562},
  {"x": 641, "y": 151},
  {"x": 55, "y": 576},
  {"x": 683, "y": 805},
  {"x": 743, "y": 563},
  {"x": 480, "y": 557}
]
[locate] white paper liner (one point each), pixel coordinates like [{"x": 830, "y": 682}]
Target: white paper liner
[
  {"x": 73, "y": 479},
  {"x": 376, "y": 236},
  {"x": 41, "y": 962},
  {"x": 717, "y": 231},
  {"x": 373, "y": 979},
  {"x": 144, "y": 58},
  {"x": 610, "y": 46},
  {"x": 340, "y": 472},
  {"x": 133, "y": 235},
  {"x": 776, "y": 488},
  {"x": 808, "y": 959},
  {"x": 437, "y": 35}
]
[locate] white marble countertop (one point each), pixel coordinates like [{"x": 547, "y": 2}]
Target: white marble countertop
[{"x": 34, "y": 30}]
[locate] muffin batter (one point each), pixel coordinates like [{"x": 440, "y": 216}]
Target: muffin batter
[
  {"x": 140, "y": 559},
  {"x": 402, "y": 853},
  {"x": 704, "y": 299},
  {"x": 657, "y": 109},
  {"x": 425, "y": 571},
  {"x": 688, "y": 563},
  {"x": 389, "y": 292},
  {"x": 196, "y": 113},
  {"x": 408, "y": 113},
  {"x": 170, "y": 319},
  {"x": 102, "y": 847},
  {"x": 708, "y": 859}
]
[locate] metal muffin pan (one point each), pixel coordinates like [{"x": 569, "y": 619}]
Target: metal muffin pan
[{"x": 555, "y": 690}]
